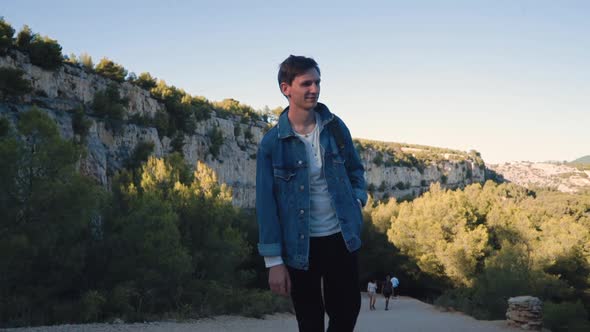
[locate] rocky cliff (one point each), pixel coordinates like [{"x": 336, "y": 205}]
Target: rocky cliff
[
  {"x": 69, "y": 87},
  {"x": 557, "y": 176}
]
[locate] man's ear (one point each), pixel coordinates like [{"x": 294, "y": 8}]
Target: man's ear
[{"x": 286, "y": 89}]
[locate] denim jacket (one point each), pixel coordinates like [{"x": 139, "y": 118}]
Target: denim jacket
[{"x": 282, "y": 189}]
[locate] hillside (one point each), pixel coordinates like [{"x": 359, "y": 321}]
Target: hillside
[
  {"x": 561, "y": 177},
  {"x": 582, "y": 160},
  {"x": 225, "y": 140}
]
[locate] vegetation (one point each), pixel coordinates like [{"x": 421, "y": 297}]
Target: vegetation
[
  {"x": 6, "y": 33},
  {"x": 109, "y": 69},
  {"x": 110, "y": 106},
  {"x": 483, "y": 244},
  {"x": 12, "y": 82},
  {"x": 412, "y": 155},
  {"x": 166, "y": 239},
  {"x": 42, "y": 50}
]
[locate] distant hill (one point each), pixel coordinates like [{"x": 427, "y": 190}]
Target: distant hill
[
  {"x": 583, "y": 160},
  {"x": 563, "y": 177}
]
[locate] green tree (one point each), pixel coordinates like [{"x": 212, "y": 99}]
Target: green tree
[
  {"x": 12, "y": 82},
  {"x": 146, "y": 81},
  {"x": 24, "y": 38},
  {"x": 45, "y": 52},
  {"x": 46, "y": 215},
  {"x": 6, "y": 33},
  {"x": 110, "y": 69},
  {"x": 109, "y": 105}
]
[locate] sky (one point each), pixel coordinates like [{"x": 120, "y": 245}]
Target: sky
[{"x": 508, "y": 78}]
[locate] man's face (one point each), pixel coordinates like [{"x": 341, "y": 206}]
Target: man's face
[{"x": 304, "y": 91}]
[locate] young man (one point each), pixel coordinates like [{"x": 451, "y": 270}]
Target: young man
[
  {"x": 387, "y": 291},
  {"x": 310, "y": 189}
]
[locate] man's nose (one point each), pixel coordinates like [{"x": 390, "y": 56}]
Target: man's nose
[{"x": 315, "y": 88}]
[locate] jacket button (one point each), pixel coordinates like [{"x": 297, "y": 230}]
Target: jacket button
[
  {"x": 301, "y": 211},
  {"x": 302, "y": 236},
  {"x": 300, "y": 162},
  {"x": 301, "y": 187}
]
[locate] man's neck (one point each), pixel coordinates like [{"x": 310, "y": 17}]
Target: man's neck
[{"x": 302, "y": 121}]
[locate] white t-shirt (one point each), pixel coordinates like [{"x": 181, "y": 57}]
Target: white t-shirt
[{"x": 372, "y": 287}]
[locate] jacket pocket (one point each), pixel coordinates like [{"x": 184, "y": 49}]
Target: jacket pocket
[{"x": 284, "y": 174}]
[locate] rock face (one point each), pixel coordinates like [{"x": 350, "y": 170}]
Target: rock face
[
  {"x": 70, "y": 87},
  {"x": 558, "y": 176},
  {"x": 525, "y": 312}
]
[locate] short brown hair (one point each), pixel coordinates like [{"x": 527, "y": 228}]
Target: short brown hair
[{"x": 295, "y": 65}]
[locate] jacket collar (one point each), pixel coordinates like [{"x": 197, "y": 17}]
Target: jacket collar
[{"x": 284, "y": 126}]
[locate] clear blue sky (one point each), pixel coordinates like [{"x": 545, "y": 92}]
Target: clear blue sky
[{"x": 508, "y": 78}]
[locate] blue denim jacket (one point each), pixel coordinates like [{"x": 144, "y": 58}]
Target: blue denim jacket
[{"x": 282, "y": 189}]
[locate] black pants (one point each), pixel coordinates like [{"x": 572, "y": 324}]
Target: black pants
[{"x": 331, "y": 261}]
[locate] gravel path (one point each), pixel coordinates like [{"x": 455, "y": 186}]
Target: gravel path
[{"x": 405, "y": 314}]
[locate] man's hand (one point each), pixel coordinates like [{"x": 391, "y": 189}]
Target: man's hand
[{"x": 279, "y": 280}]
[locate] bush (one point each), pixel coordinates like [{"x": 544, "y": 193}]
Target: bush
[
  {"x": 91, "y": 306},
  {"x": 45, "y": 52},
  {"x": 140, "y": 154},
  {"x": 378, "y": 160},
  {"x": 216, "y": 137},
  {"x": 109, "y": 105},
  {"x": 12, "y": 82},
  {"x": 24, "y": 38},
  {"x": 146, "y": 81},
  {"x": 109, "y": 69},
  {"x": 566, "y": 316},
  {"x": 6, "y": 33},
  {"x": 86, "y": 61},
  {"x": 80, "y": 124}
]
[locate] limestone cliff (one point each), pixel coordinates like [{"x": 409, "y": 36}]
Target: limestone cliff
[{"x": 69, "y": 87}]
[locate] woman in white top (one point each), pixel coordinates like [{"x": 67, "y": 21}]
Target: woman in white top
[{"x": 372, "y": 290}]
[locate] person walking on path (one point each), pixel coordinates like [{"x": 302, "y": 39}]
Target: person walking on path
[
  {"x": 387, "y": 290},
  {"x": 372, "y": 291},
  {"x": 310, "y": 190},
  {"x": 395, "y": 284}
]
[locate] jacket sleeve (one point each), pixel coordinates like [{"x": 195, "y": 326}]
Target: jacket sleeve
[
  {"x": 269, "y": 227},
  {"x": 354, "y": 167}
]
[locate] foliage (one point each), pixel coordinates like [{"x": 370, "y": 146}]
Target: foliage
[
  {"x": 46, "y": 213},
  {"x": 109, "y": 105},
  {"x": 493, "y": 242},
  {"x": 216, "y": 137},
  {"x": 12, "y": 82},
  {"x": 43, "y": 51},
  {"x": 24, "y": 37},
  {"x": 146, "y": 81},
  {"x": 112, "y": 70},
  {"x": 80, "y": 124},
  {"x": 86, "y": 62},
  {"x": 6, "y": 33}
]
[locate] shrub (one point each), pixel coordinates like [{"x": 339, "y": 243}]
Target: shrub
[
  {"x": 24, "y": 38},
  {"x": 109, "y": 105},
  {"x": 109, "y": 69},
  {"x": 12, "y": 82},
  {"x": 216, "y": 137},
  {"x": 91, "y": 306},
  {"x": 6, "y": 33},
  {"x": 140, "y": 154},
  {"x": 80, "y": 124},
  {"x": 86, "y": 61},
  {"x": 378, "y": 160},
  {"x": 146, "y": 81},
  {"x": 565, "y": 316},
  {"x": 45, "y": 52},
  {"x": 400, "y": 185}
]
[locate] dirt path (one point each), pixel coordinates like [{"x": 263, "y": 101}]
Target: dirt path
[{"x": 405, "y": 314}]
